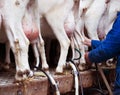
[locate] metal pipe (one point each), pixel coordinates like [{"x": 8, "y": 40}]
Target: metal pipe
[
  {"x": 75, "y": 73},
  {"x": 79, "y": 77}
]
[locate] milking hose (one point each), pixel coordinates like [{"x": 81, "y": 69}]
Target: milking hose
[
  {"x": 52, "y": 82},
  {"x": 78, "y": 74}
]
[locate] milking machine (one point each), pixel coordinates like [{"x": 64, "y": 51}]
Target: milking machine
[
  {"x": 78, "y": 79},
  {"x": 76, "y": 74}
]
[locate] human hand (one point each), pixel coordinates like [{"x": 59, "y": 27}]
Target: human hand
[{"x": 87, "y": 59}]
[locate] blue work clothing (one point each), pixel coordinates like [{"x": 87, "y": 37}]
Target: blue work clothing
[{"x": 108, "y": 48}]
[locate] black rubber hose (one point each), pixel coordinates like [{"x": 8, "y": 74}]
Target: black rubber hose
[
  {"x": 79, "y": 54},
  {"x": 53, "y": 87}
]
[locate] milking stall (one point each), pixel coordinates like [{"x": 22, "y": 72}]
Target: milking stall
[{"x": 44, "y": 46}]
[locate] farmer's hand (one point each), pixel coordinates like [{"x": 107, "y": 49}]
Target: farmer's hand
[{"x": 87, "y": 59}]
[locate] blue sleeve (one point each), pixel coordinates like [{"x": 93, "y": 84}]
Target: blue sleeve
[
  {"x": 108, "y": 48},
  {"x": 95, "y": 43}
]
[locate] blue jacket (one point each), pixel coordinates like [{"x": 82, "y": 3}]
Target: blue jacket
[{"x": 108, "y": 48}]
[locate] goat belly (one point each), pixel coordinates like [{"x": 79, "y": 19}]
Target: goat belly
[{"x": 31, "y": 31}]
